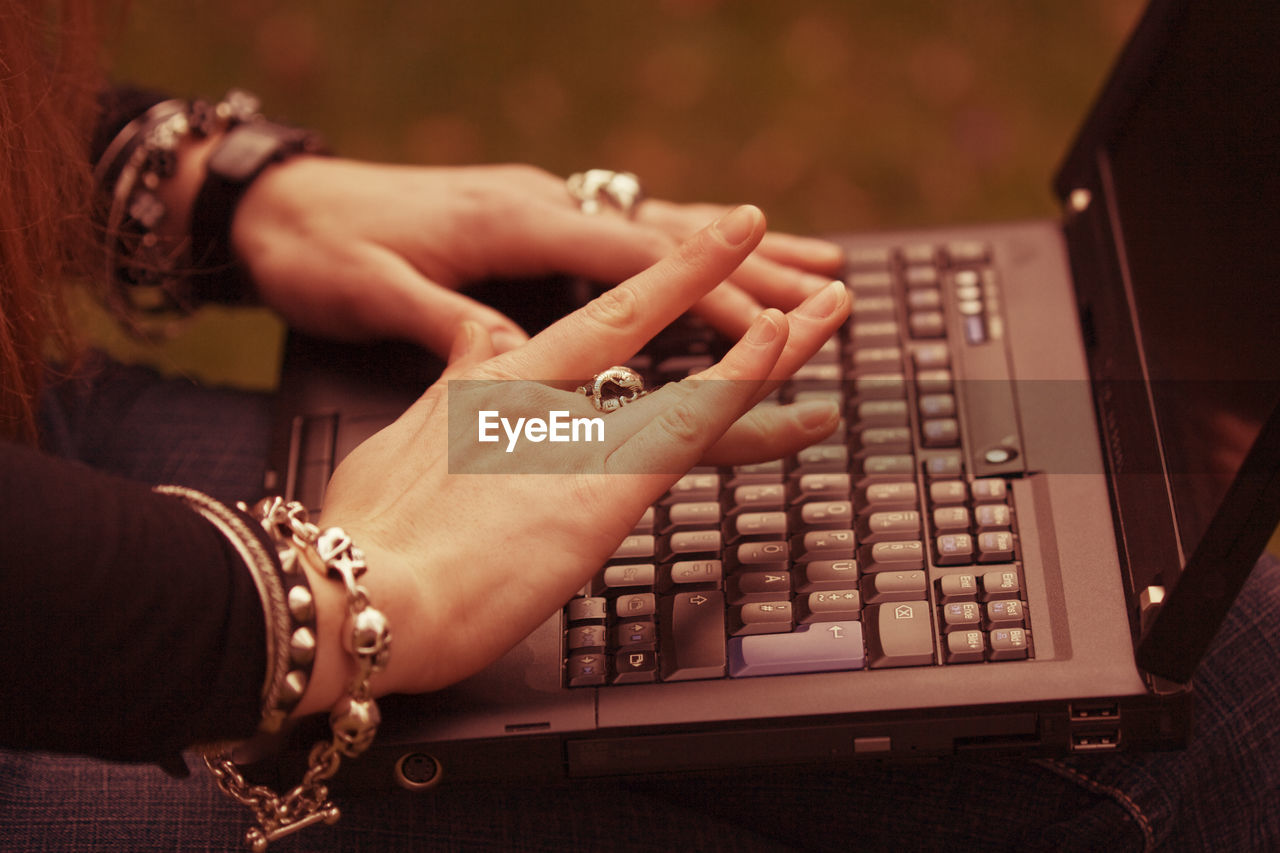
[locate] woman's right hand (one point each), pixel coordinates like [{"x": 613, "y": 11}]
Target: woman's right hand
[{"x": 470, "y": 547}]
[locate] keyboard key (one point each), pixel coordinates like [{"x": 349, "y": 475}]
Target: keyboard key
[
  {"x": 889, "y": 526},
  {"x": 692, "y": 515},
  {"x": 823, "y": 515},
  {"x": 759, "y": 525},
  {"x": 635, "y": 605},
  {"x": 834, "y": 544},
  {"x": 877, "y": 360},
  {"x": 692, "y": 629},
  {"x": 645, "y": 524},
  {"x": 880, "y": 386},
  {"x": 869, "y": 280},
  {"x": 990, "y": 490},
  {"x": 992, "y": 517},
  {"x": 586, "y": 638},
  {"x": 963, "y": 587},
  {"x": 820, "y": 647},
  {"x": 881, "y": 413},
  {"x": 636, "y": 634},
  {"x": 948, "y": 492},
  {"x": 927, "y": 324},
  {"x": 919, "y": 254},
  {"x": 761, "y": 472},
  {"x": 873, "y": 307},
  {"x": 940, "y": 432},
  {"x": 1008, "y": 644},
  {"x": 883, "y": 441},
  {"x": 878, "y": 497},
  {"x": 765, "y": 617},
  {"x": 937, "y": 405},
  {"x": 934, "y": 356},
  {"x": 955, "y": 549},
  {"x": 873, "y": 333},
  {"x": 868, "y": 258},
  {"x": 961, "y": 616},
  {"x": 754, "y": 587},
  {"x": 944, "y": 466},
  {"x": 951, "y": 519},
  {"x": 934, "y": 381},
  {"x": 966, "y": 647},
  {"x": 1005, "y": 613},
  {"x": 591, "y": 609},
  {"x": 635, "y": 666},
  {"x": 1000, "y": 584},
  {"x": 885, "y": 467},
  {"x": 769, "y": 553},
  {"x": 694, "y": 487},
  {"x": 894, "y": 586},
  {"x": 823, "y": 487},
  {"x": 587, "y": 670},
  {"x": 686, "y": 572},
  {"x": 821, "y": 575},
  {"x": 995, "y": 547},
  {"x": 692, "y": 542},
  {"x": 634, "y": 547},
  {"x": 822, "y": 458},
  {"x": 836, "y": 605},
  {"x": 759, "y": 498},
  {"x": 892, "y": 557},
  {"x": 924, "y": 299},
  {"x": 630, "y": 575},
  {"x": 921, "y": 277},
  {"x": 899, "y": 634}
]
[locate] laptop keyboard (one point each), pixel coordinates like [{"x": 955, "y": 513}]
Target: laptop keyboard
[{"x": 875, "y": 548}]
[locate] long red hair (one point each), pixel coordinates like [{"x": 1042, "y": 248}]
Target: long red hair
[{"x": 49, "y": 74}]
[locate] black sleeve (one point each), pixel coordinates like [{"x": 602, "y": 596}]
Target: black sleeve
[{"x": 130, "y": 627}]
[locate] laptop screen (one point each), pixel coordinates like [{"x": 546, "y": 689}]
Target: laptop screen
[{"x": 1194, "y": 191}]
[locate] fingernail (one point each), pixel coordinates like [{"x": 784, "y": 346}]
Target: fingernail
[
  {"x": 764, "y": 327},
  {"x": 825, "y": 301},
  {"x": 814, "y": 414},
  {"x": 506, "y": 339},
  {"x": 738, "y": 224}
]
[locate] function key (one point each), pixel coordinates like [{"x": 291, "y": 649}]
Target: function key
[
  {"x": 968, "y": 252},
  {"x": 948, "y": 492},
  {"x": 868, "y": 257},
  {"x": 990, "y": 490},
  {"x": 889, "y": 496},
  {"x": 931, "y": 356},
  {"x": 919, "y": 254},
  {"x": 992, "y": 517}
]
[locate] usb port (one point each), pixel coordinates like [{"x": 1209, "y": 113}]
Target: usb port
[
  {"x": 1099, "y": 741},
  {"x": 1094, "y": 710}
]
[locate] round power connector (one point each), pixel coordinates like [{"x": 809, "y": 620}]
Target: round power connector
[{"x": 418, "y": 771}]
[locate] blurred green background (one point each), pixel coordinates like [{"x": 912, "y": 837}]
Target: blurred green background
[{"x": 832, "y": 115}]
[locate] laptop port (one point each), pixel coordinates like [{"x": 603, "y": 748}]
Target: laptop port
[
  {"x": 1102, "y": 740},
  {"x": 1094, "y": 710}
]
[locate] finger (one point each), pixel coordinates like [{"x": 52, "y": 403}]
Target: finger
[
  {"x": 811, "y": 324},
  {"x": 729, "y": 310},
  {"x": 774, "y": 432},
  {"x": 611, "y": 327},
  {"x": 409, "y": 306},
  {"x": 471, "y": 345},
  {"x": 775, "y": 284},
  {"x": 696, "y": 412}
]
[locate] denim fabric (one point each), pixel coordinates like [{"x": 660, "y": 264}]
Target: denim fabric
[{"x": 1221, "y": 794}]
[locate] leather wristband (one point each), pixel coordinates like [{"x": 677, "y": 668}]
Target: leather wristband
[{"x": 237, "y": 159}]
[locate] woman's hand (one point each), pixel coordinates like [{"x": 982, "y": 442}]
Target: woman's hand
[
  {"x": 470, "y": 547},
  {"x": 355, "y": 250}
]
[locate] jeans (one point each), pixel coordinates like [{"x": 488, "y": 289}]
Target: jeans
[{"x": 1223, "y": 793}]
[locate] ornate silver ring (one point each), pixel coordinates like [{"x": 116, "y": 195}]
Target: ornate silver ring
[
  {"x": 612, "y": 389},
  {"x": 596, "y": 189}
]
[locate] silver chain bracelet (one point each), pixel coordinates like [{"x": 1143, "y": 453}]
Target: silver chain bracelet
[{"x": 354, "y": 719}]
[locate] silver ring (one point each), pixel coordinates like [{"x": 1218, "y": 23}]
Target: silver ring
[
  {"x": 612, "y": 389},
  {"x": 596, "y": 189}
]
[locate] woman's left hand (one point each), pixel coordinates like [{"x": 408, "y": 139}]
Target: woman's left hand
[{"x": 356, "y": 250}]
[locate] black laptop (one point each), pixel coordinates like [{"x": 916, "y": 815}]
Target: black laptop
[{"x": 1059, "y": 461}]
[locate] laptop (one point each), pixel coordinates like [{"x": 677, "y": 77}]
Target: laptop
[{"x": 1060, "y": 460}]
